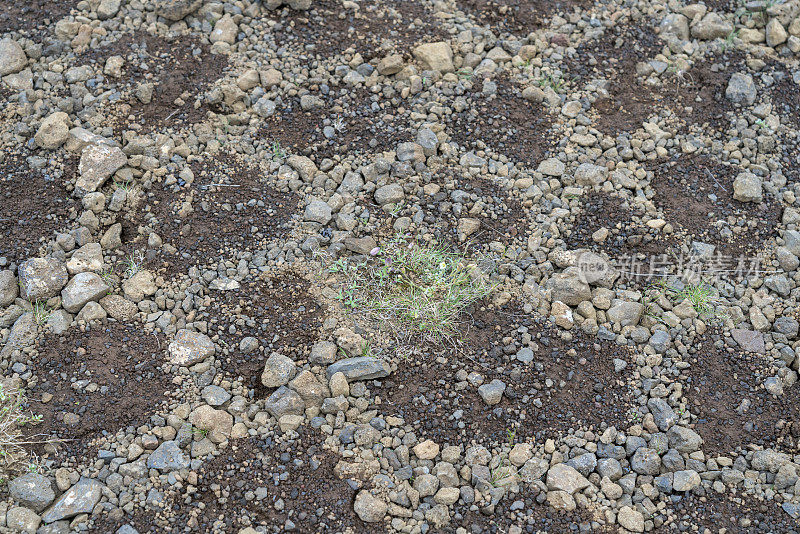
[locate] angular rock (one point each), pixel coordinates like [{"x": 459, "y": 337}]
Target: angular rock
[
  {"x": 569, "y": 288},
  {"x": 98, "y": 163},
  {"x": 278, "y": 370},
  {"x": 747, "y": 188},
  {"x": 312, "y": 391},
  {"x": 369, "y": 508},
  {"x": 12, "y": 57},
  {"x": 53, "y": 131},
  {"x": 492, "y": 393},
  {"x": 284, "y": 401},
  {"x": 663, "y": 414},
  {"x": 119, "y": 307},
  {"x": 685, "y": 480},
  {"x": 389, "y": 194},
  {"x": 189, "y": 348},
  {"x": 9, "y": 288},
  {"x": 435, "y": 56},
  {"x": 175, "y": 10},
  {"x": 168, "y": 457},
  {"x": 630, "y": 519},
  {"x": 684, "y": 439},
  {"x": 741, "y": 89},
  {"x": 749, "y": 340},
  {"x": 42, "y": 278},
  {"x": 79, "y": 499},
  {"x": 318, "y": 211},
  {"x": 360, "y": 368},
  {"x": 87, "y": 258},
  {"x": 565, "y": 478},
  {"x": 142, "y": 284},
  {"x": 32, "y": 490},
  {"x": 83, "y": 288}
]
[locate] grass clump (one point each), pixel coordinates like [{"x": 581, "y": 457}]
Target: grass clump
[
  {"x": 702, "y": 296},
  {"x": 13, "y": 417},
  {"x": 413, "y": 289}
]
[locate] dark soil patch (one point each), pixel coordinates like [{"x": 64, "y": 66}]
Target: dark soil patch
[
  {"x": 716, "y": 512},
  {"x": 32, "y": 16},
  {"x": 696, "y": 193},
  {"x": 232, "y": 207},
  {"x": 120, "y": 359},
  {"x": 278, "y": 311},
  {"x": 360, "y": 121},
  {"x": 613, "y": 57},
  {"x": 502, "y": 218},
  {"x": 34, "y": 205},
  {"x": 520, "y": 16},
  {"x": 541, "y": 516},
  {"x": 179, "y": 68},
  {"x": 784, "y": 94},
  {"x": 626, "y": 237},
  {"x": 327, "y": 29},
  {"x": 241, "y": 486},
  {"x": 559, "y": 390},
  {"x": 725, "y": 389},
  {"x": 506, "y": 122}
]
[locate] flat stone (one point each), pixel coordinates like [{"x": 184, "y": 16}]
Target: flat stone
[
  {"x": 32, "y": 490},
  {"x": 98, "y": 163},
  {"x": 83, "y": 288},
  {"x": 79, "y": 499},
  {"x": 565, "y": 478},
  {"x": 168, "y": 457},
  {"x": 749, "y": 340},
  {"x": 360, "y": 368},
  {"x": 284, "y": 401}
]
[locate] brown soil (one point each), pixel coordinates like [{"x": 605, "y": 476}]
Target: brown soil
[
  {"x": 784, "y": 94},
  {"x": 520, "y": 16},
  {"x": 719, "y": 381},
  {"x": 543, "y": 517},
  {"x": 34, "y": 205},
  {"x": 32, "y": 16},
  {"x": 229, "y": 493},
  {"x": 574, "y": 390},
  {"x": 503, "y": 218},
  {"x": 358, "y": 126},
  {"x": 229, "y": 198},
  {"x": 613, "y": 57},
  {"x": 695, "y": 193},
  {"x": 279, "y": 312},
  {"x": 506, "y": 122},
  {"x": 121, "y": 359},
  {"x": 178, "y": 68},
  {"x": 716, "y": 512},
  {"x": 626, "y": 238},
  {"x": 327, "y": 30}
]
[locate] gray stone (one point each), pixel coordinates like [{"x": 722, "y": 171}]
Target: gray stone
[
  {"x": 189, "y": 348},
  {"x": 712, "y": 26},
  {"x": 23, "y": 334},
  {"x": 108, "y": 8},
  {"x": 741, "y": 89},
  {"x": 83, "y": 288},
  {"x": 747, "y": 187},
  {"x": 215, "y": 395},
  {"x": 492, "y": 393},
  {"x": 369, "y": 508},
  {"x": 630, "y": 519},
  {"x": 552, "y": 167},
  {"x": 360, "y": 368},
  {"x": 278, "y": 370},
  {"x": 42, "y": 278},
  {"x": 625, "y": 313},
  {"x": 389, "y": 194},
  {"x": 12, "y": 57},
  {"x": 663, "y": 414},
  {"x": 525, "y": 355},
  {"x": 323, "y": 352},
  {"x": 791, "y": 240},
  {"x": 175, "y": 10},
  {"x": 565, "y": 478},
  {"x": 590, "y": 174},
  {"x": 32, "y": 490},
  {"x": 21, "y": 519},
  {"x": 646, "y": 461},
  {"x": 787, "y": 326},
  {"x": 584, "y": 464},
  {"x": 660, "y": 341},
  {"x": 79, "y": 499},
  {"x": 318, "y": 211},
  {"x": 284, "y": 401},
  {"x": 684, "y": 439},
  {"x": 533, "y": 470},
  {"x": 779, "y": 284},
  {"x": 9, "y": 288},
  {"x": 569, "y": 288},
  {"x": 168, "y": 457},
  {"x": 685, "y": 480},
  {"x": 749, "y": 340},
  {"x": 675, "y": 24},
  {"x": 98, "y": 163}
]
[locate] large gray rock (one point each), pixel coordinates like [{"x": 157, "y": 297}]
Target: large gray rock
[
  {"x": 175, "y": 10},
  {"x": 569, "y": 288},
  {"x": 168, "y": 457},
  {"x": 42, "y": 278},
  {"x": 9, "y": 288},
  {"x": 741, "y": 89},
  {"x": 278, "y": 370},
  {"x": 284, "y": 401},
  {"x": 565, "y": 478},
  {"x": 79, "y": 499},
  {"x": 663, "y": 414},
  {"x": 318, "y": 211},
  {"x": 675, "y": 24},
  {"x": 389, "y": 194},
  {"x": 646, "y": 461},
  {"x": 12, "y": 57},
  {"x": 32, "y": 490},
  {"x": 360, "y": 368},
  {"x": 189, "y": 348},
  {"x": 98, "y": 163},
  {"x": 435, "y": 56},
  {"x": 83, "y": 288},
  {"x": 747, "y": 187}
]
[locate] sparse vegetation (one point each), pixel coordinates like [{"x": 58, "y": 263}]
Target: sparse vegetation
[
  {"x": 412, "y": 289},
  {"x": 13, "y": 417},
  {"x": 41, "y": 311}
]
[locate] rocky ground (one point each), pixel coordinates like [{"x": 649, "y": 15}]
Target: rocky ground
[{"x": 185, "y": 182}]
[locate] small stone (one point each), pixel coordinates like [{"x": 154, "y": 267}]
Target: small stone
[
  {"x": 741, "y": 89},
  {"x": 492, "y": 393},
  {"x": 278, "y": 370},
  {"x": 175, "y": 10},
  {"x": 189, "y": 348},
  {"x": 12, "y": 57},
  {"x": 318, "y": 211},
  {"x": 97, "y": 164},
  {"x": 224, "y": 31},
  {"x": 53, "y": 132},
  {"x": 630, "y": 519},
  {"x": 369, "y": 508},
  {"x": 360, "y": 368},
  {"x": 552, "y": 167},
  {"x": 747, "y": 188},
  {"x": 685, "y": 480},
  {"x": 435, "y": 56},
  {"x": 565, "y": 478},
  {"x": 284, "y": 401},
  {"x": 42, "y": 278},
  {"x": 83, "y": 288},
  {"x": 427, "y": 450},
  {"x": 389, "y": 194}
]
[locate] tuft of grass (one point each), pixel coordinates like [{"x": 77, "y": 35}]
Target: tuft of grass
[
  {"x": 13, "y": 417},
  {"x": 277, "y": 152},
  {"x": 132, "y": 263},
  {"x": 413, "y": 289},
  {"x": 702, "y": 296},
  {"x": 554, "y": 82},
  {"x": 41, "y": 311}
]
